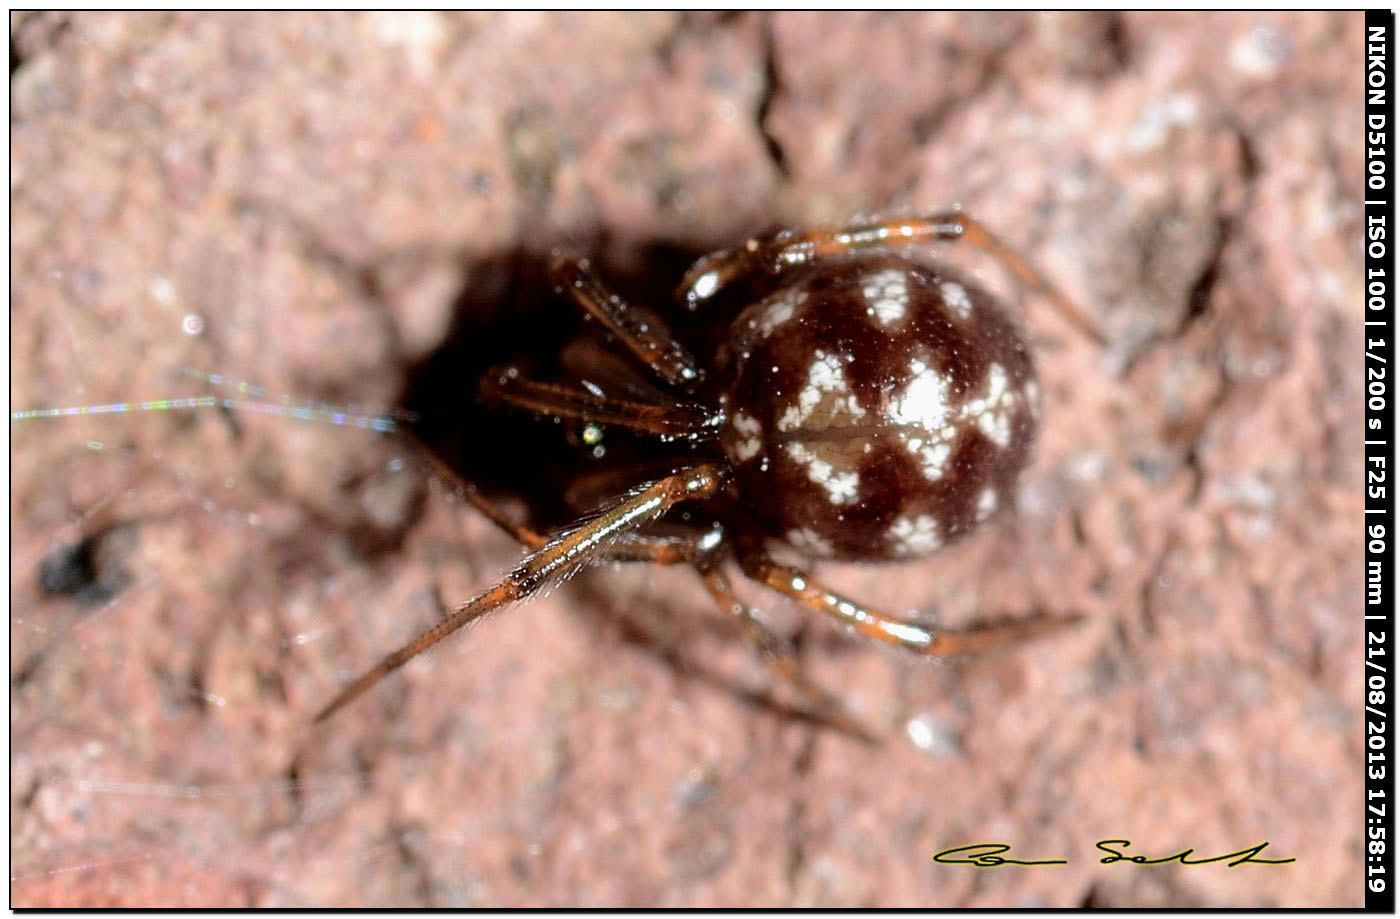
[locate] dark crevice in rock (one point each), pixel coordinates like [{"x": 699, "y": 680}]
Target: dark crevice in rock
[
  {"x": 772, "y": 86},
  {"x": 797, "y": 813}
]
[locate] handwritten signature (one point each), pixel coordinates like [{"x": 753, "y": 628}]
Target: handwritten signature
[{"x": 993, "y": 855}]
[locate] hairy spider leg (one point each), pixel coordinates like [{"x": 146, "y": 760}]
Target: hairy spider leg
[
  {"x": 639, "y": 329},
  {"x": 561, "y": 555},
  {"x": 631, "y": 546},
  {"x": 678, "y": 421},
  {"x": 779, "y": 658},
  {"x": 792, "y": 248},
  {"x": 880, "y": 625}
]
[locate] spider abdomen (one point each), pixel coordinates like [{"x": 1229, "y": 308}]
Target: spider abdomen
[{"x": 878, "y": 407}]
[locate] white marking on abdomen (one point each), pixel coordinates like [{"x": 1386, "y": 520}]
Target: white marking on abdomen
[
  {"x": 779, "y": 310},
  {"x": 809, "y": 541},
  {"x": 841, "y": 487},
  {"x": 887, "y": 293},
  {"x": 825, "y": 376},
  {"x": 955, "y": 295},
  {"x": 986, "y": 504},
  {"x": 914, "y": 535},
  {"x": 992, "y": 412},
  {"x": 749, "y": 430},
  {"x": 924, "y": 407}
]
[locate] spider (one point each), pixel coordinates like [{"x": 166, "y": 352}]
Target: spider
[{"x": 864, "y": 403}]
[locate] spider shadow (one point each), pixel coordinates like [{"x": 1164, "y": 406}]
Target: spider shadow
[
  {"x": 508, "y": 314},
  {"x": 672, "y": 639}
]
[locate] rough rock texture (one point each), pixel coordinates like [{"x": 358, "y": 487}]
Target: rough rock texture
[{"x": 301, "y": 202}]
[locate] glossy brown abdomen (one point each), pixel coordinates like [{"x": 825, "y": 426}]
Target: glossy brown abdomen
[{"x": 878, "y": 408}]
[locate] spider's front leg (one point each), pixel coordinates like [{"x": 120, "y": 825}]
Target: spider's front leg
[
  {"x": 639, "y": 329},
  {"x": 559, "y": 556},
  {"x": 676, "y": 420}
]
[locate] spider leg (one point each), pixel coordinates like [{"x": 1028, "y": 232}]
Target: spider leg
[
  {"x": 657, "y": 549},
  {"x": 559, "y": 557},
  {"x": 792, "y": 248},
  {"x": 641, "y": 330},
  {"x": 591, "y": 488},
  {"x": 488, "y": 508},
  {"x": 592, "y": 361},
  {"x": 661, "y": 549},
  {"x": 677, "y": 421},
  {"x": 880, "y": 625},
  {"x": 778, "y": 656}
]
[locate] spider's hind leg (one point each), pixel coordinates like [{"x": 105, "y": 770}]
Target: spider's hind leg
[{"x": 875, "y": 623}]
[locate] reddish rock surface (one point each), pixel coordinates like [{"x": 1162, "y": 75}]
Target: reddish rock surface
[{"x": 318, "y": 191}]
